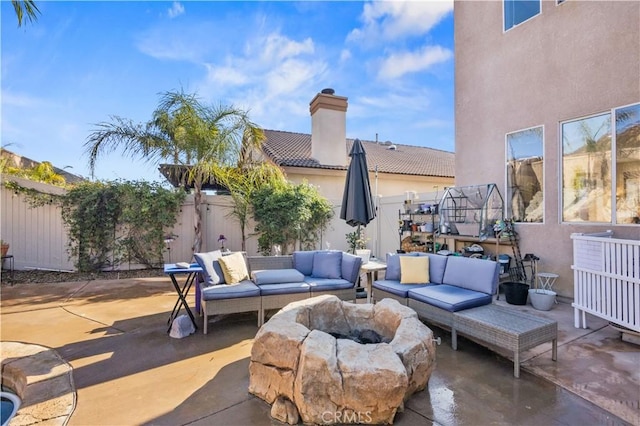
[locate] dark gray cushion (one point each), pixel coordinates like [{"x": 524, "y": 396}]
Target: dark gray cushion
[
  {"x": 303, "y": 261},
  {"x": 277, "y": 276},
  {"x": 327, "y": 264},
  {"x": 211, "y": 270}
]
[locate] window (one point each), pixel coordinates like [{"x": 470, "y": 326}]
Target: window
[
  {"x": 518, "y": 11},
  {"x": 601, "y": 167},
  {"x": 524, "y": 175}
]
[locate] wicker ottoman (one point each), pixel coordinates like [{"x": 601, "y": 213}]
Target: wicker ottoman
[{"x": 507, "y": 329}]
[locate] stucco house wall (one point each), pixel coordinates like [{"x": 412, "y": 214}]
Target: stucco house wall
[{"x": 574, "y": 59}]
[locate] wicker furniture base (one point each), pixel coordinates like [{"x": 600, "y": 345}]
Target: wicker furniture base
[
  {"x": 505, "y": 328},
  {"x": 230, "y": 306},
  {"x": 378, "y": 295}
]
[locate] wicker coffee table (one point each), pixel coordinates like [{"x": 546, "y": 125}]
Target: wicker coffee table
[{"x": 507, "y": 329}]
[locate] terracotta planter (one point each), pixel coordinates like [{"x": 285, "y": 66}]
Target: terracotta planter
[{"x": 5, "y": 249}]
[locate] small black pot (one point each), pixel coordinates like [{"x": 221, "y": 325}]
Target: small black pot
[{"x": 516, "y": 293}]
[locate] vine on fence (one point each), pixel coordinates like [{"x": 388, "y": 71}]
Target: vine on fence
[{"x": 121, "y": 221}]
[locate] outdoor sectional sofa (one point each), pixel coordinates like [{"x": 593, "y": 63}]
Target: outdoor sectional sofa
[
  {"x": 457, "y": 292},
  {"x": 454, "y": 283},
  {"x": 271, "y": 282}
]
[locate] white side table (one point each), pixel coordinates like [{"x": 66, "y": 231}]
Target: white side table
[{"x": 547, "y": 280}]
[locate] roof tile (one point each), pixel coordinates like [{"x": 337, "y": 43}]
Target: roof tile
[{"x": 294, "y": 150}]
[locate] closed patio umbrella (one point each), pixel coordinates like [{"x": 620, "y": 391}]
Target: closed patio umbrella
[{"x": 357, "y": 203}]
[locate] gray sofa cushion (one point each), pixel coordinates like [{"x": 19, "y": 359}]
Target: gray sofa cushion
[
  {"x": 286, "y": 288},
  {"x": 437, "y": 265},
  {"x": 211, "y": 270},
  {"x": 277, "y": 276},
  {"x": 351, "y": 267},
  {"x": 230, "y": 291},
  {"x": 303, "y": 261},
  {"x": 393, "y": 265},
  {"x": 327, "y": 284},
  {"x": 449, "y": 297},
  {"x": 394, "y": 287},
  {"x": 473, "y": 274},
  {"x": 327, "y": 264}
]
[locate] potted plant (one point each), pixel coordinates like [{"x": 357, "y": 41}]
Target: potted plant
[
  {"x": 357, "y": 243},
  {"x": 5, "y": 247}
]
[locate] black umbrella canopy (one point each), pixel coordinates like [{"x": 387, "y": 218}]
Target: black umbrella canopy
[{"x": 357, "y": 202}]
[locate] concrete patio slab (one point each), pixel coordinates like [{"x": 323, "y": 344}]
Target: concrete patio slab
[{"x": 127, "y": 370}]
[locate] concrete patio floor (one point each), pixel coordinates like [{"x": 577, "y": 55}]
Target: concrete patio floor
[{"x": 126, "y": 369}]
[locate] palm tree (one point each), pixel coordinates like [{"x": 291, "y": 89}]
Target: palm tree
[
  {"x": 205, "y": 139},
  {"x": 25, "y": 9}
]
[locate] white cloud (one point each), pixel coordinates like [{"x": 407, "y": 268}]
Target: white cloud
[
  {"x": 398, "y": 64},
  {"x": 227, "y": 75},
  {"x": 273, "y": 76},
  {"x": 345, "y": 55},
  {"x": 176, "y": 9},
  {"x": 391, "y": 20},
  {"x": 276, "y": 47}
]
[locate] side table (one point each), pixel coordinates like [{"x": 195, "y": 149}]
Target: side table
[
  {"x": 189, "y": 273},
  {"x": 8, "y": 258},
  {"x": 372, "y": 267},
  {"x": 547, "y": 280}
]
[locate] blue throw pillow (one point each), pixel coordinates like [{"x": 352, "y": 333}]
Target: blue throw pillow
[
  {"x": 210, "y": 267},
  {"x": 393, "y": 266},
  {"x": 327, "y": 264},
  {"x": 303, "y": 261}
]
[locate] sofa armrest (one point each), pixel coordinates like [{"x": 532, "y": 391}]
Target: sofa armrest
[{"x": 351, "y": 267}]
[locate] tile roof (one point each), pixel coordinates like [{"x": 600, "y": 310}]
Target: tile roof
[{"x": 294, "y": 150}]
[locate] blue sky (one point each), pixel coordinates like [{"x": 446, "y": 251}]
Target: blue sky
[{"x": 82, "y": 62}]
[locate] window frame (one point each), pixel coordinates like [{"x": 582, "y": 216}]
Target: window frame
[
  {"x": 504, "y": 21},
  {"x": 613, "y": 176},
  {"x": 507, "y": 196}
]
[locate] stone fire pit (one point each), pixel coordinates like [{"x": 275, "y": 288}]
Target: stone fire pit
[{"x": 305, "y": 372}]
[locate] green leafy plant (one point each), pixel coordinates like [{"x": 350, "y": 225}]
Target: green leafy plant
[
  {"x": 356, "y": 240},
  {"x": 113, "y": 222},
  {"x": 287, "y": 214}
]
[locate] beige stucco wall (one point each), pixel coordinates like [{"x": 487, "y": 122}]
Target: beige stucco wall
[
  {"x": 331, "y": 182},
  {"x": 574, "y": 59}
]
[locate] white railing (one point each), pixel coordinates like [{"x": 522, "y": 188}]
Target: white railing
[{"x": 606, "y": 279}]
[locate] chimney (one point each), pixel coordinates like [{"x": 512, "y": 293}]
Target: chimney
[{"x": 328, "y": 128}]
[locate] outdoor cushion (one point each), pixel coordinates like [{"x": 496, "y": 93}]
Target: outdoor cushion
[
  {"x": 351, "y": 267},
  {"x": 288, "y": 288},
  {"x": 449, "y": 297},
  {"x": 230, "y": 291},
  {"x": 277, "y": 276},
  {"x": 394, "y": 287},
  {"x": 234, "y": 268},
  {"x": 327, "y": 264},
  {"x": 473, "y": 274},
  {"x": 393, "y": 266},
  {"x": 437, "y": 265},
  {"x": 210, "y": 267},
  {"x": 326, "y": 284},
  {"x": 303, "y": 261},
  {"x": 414, "y": 270}
]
